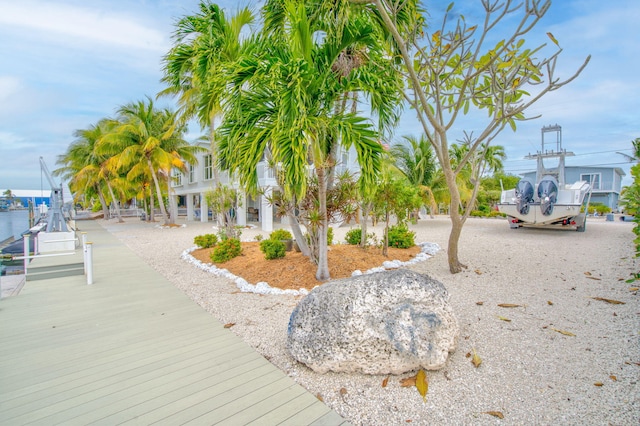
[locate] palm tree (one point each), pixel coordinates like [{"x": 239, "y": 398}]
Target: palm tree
[
  {"x": 195, "y": 67},
  {"x": 283, "y": 100},
  {"x": 150, "y": 141},
  {"x": 83, "y": 165},
  {"x": 418, "y": 163}
]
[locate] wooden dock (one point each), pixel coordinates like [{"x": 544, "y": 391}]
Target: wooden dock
[{"x": 131, "y": 348}]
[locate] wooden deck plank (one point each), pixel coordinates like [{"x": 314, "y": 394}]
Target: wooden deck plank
[
  {"x": 306, "y": 417},
  {"x": 130, "y": 348},
  {"x": 277, "y": 416},
  {"x": 183, "y": 409},
  {"x": 144, "y": 357},
  {"x": 236, "y": 413},
  {"x": 105, "y": 380},
  {"x": 269, "y": 382},
  {"x": 331, "y": 418},
  {"x": 181, "y": 390}
]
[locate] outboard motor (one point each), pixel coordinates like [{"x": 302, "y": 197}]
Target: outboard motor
[
  {"x": 548, "y": 194},
  {"x": 524, "y": 195}
]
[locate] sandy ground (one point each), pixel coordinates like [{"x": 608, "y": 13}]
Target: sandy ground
[{"x": 530, "y": 371}]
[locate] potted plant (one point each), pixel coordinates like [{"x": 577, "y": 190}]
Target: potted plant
[{"x": 284, "y": 236}]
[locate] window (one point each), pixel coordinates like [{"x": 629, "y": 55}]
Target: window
[
  {"x": 208, "y": 167},
  {"x": 177, "y": 177},
  {"x": 192, "y": 174},
  {"x": 592, "y": 178}
]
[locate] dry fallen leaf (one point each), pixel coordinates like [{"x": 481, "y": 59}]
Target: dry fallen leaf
[
  {"x": 319, "y": 397},
  {"x": 343, "y": 391},
  {"x": 229, "y": 324},
  {"x": 595, "y": 278},
  {"x": 422, "y": 384},
  {"x": 475, "y": 359},
  {"x": 385, "y": 381},
  {"x": 508, "y": 305},
  {"x": 614, "y": 378},
  {"x": 478, "y": 271},
  {"x": 566, "y": 333},
  {"x": 598, "y": 384},
  {"x": 549, "y": 302},
  {"x": 504, "y": 319},
  {"x": 468, "y": 354},
  {"x": 634, "y": 288},
  {"x": 588, "y": 273},
  {"x": 408, "y": 382},
  {"x": 497, "y": 414},
  {"x": 479, "y": 303},
  {"x": 613, "y": 302}
]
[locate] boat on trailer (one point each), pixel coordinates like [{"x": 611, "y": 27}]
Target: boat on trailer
[{"x": 549, "y": 201}]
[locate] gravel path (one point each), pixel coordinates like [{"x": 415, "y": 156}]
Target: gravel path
[{"x": 529, "y": 372}]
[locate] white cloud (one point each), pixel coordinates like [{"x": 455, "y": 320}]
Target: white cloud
[
  {"x": 9, "y": 86},
  {"x": 83, "y": 25}
]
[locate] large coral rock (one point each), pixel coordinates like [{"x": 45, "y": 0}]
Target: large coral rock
[{"x": 384, "y": 323}]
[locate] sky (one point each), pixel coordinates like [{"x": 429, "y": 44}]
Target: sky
[{"x": 65, "y": 64}]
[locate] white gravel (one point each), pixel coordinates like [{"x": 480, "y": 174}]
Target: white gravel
[{"x": 529, "y": 372}]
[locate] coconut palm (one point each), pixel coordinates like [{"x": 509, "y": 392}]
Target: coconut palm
[
  {"x": 283, "y": 103},
  {"x": 417, "y": 161},
  {"x": 85, "y": 167},
  {"x": 149, "y": 140},
  {"x": 195, "y": 67}
]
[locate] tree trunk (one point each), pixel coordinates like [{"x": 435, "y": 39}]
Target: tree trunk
[
  {"x": 297, "y": 234},
  {"x": 214, "y": 152},
  {"x": 173, "y": 208},
  {"x": 322, "y": 273},
  {"x": 115, "y": 202},
  {"x": 385, "y": 246},
  {"x": 457, "y": 221},
  {"x": 105, "y": 210},
  {"x": 454, "y": 237},
  {"x": 163, "y": 210},
  {"x": 363, "y": 225},
  {"x": 152, "y": 206}
]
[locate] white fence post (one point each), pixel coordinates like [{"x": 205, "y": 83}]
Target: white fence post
[
  {"x": 89, "y": 263},
  {"x": 84, "y": 251},
  {"x": 25, "y": 241}
]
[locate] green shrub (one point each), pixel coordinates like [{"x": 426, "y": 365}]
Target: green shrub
[
  {"x": 353, "y": 236},
  {"x": 258, "y": 237},
  {"x": 226, "y": 250},
  {"x": 496, "y": 213},
  {"x": 477, "y": 213},
  {"x": 206, "y": 240},
  {"x": 329, "y": 236},
  {"x": 401, "y": 237},
  {"x": 272, "y": 249},
  {"x": 280, "y": 234}
]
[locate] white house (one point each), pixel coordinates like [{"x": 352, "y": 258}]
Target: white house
[{"x": 191, "y": 188}]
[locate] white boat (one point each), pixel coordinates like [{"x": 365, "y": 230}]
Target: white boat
[{"x": 549, "y": 201}]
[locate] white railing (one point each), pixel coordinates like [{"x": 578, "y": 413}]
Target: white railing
[{"x": 87, "y": 248}]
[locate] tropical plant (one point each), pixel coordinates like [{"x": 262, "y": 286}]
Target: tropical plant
[
  {"x": 285, "y": 97},
  {"x": 224, "y": 203},
  {"x": 456, "y": 67},
  {"x": 353, "y": 236},
  {"x": 205, "y": 44},
  {"x": 206, "y": 240},
  {"x": 84, "y": 166},
  {"x": 272, "y": 249},
  {"x": 149, "y": 141},
  {"x": 226, "y": 250},
  {"x": 416, "y": 160},
  {"x": 401, "y": 237},
  {"x": 394, "y": 197},
  {"x": 280, "y": 234}
]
